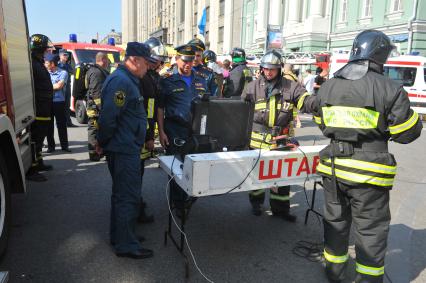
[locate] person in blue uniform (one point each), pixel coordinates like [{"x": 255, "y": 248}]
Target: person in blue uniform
[
  {"x": 201, "y": 70},
  {"x": 121, "y": 135},
  {"x": 177, "y": 92}
]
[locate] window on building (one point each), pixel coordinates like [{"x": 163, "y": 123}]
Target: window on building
[
  {"x": 222, "y": 7},
  {"x": 206, "y": 37},
  {"x": 366, "y": 8},
  {"x": 343, "y": 10},
  {"x": 396, "y": 5},
  {"x": 207, "y": 14},
  {"x": 195, "y": 18},
  {"x": 221, "y": 30}
]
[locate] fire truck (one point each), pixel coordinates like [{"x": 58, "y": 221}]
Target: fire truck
[
  {"x": 16, "y": 108},
  {"x": 85, "y": 53}
]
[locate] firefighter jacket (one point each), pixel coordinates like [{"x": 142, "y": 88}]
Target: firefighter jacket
[
  {"x": 150, "y": 90},
  {"x": 273, "y": 107},
  {"x": 94, "y": 80},
  {"x": 239, "y": 76},
  {"x": 360, "y": 117},
  {"x": 43, "y": 89},
  {"x": 207, "y": 74}
]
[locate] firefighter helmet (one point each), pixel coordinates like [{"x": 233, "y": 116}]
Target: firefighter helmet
[
  {"x": 209, "y": 56},
  {"x": 158, "y": 52},
  {"x": 238, "y": 55},
  {"x": 372, "y": 45},
  {"x": 198, "y": 43},
  {"x": 271, "y": 60},
  {"x": 40, "y": 42}
]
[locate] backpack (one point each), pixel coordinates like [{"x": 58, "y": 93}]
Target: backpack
[{"x": 79, "y": 87}]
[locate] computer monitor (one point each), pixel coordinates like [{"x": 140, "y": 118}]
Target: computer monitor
[{"x": 227, "y": 120}]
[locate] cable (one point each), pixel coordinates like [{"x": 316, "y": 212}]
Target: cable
[{"x": 183, "y": 233}]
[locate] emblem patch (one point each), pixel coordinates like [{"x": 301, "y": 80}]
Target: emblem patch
[{"x": 119, "y": 98}]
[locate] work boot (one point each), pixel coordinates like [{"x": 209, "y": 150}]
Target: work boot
[
  {"x": 93, "y": 156},
  {"x": 43, "y": 167},
  {"x": 35, "y": 176},
  {"x": 256, "y": 209},
  {"x": 143, "y": 216}
]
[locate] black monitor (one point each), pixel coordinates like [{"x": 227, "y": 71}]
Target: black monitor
[{"x": 229, "y": 121}]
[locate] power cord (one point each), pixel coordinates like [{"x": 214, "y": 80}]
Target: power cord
[{"x": 183, "y": 233}]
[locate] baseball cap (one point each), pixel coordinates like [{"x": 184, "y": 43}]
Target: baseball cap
[{"x": 139, "y": 49}]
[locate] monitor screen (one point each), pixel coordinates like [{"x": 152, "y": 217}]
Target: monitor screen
[{"x": 227, "y": 120}]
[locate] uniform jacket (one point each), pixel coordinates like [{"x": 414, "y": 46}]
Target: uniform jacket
[
  {"x": 150, "y": 89},
  {"x": 122, "y": 121},
  {"x": 365, "y": 113},
  {"x": 238, "y": 76},
  {"x": 95, "y": 77},
  {"x": 208, "y": 75},
  {"x": 43, "y": 88},
  {"x": 288, "y": 94}
]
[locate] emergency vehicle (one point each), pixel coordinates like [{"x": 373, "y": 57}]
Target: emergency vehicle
[
  {"x": 16, "y": 108},
  {"x": 85, "y": 53},
  {"x": 408, "y": 70}
]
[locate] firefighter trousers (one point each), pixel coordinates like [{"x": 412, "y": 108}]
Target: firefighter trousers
[
  {"x": 280, "y": 201},
  {"x": 39, "y": 130},
  {"x": 92, "y": 125},
  {"x": 367, "y": 207}
]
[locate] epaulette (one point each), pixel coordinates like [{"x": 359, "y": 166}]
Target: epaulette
[{"x": 167, "y": 73}]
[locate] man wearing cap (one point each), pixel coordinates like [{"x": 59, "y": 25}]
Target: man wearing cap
[
  {"x": 199, "y": 68},
  {"x": 177, "y": 91},
  {"x": 66, "y": 66},
  {"x": 59, "y": 80},
  {"x": 121, "y": 134}
]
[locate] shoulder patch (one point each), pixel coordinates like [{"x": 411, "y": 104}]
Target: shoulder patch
[{"x": 119, "y": 98}]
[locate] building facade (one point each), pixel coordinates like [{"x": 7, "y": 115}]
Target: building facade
[{"x": 404, "y": 21}]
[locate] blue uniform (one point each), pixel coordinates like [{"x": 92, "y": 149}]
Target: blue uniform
[
  {"x": 207, "y": 74},
  {"x": 176, "y": 98},
  {"x": 122, "y": 129}
]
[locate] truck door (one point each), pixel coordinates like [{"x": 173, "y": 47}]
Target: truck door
[{"x": 18, "y": 61}]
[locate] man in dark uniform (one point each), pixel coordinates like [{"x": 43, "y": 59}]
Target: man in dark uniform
[
  {"x": 65, "y": 65},
  {"x": 274, "y": 97},
  {"x": 360, "y": 110},
  {"x": 200, "y": 69},
  {"x": 121, "y": 135},
  {"x": 150, "y": 89},
  {"x": 239, "y": 75},
  {"x": 209, "y": 60},
  {"x": 177, "y": 92},
  {"x": 94, "y": 80},
  {"x": 43, "y": 89}
]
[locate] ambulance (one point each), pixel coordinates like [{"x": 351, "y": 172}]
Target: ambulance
[
  {"x": 408, "y": 70},
  {"x": 85, "y": 53}
]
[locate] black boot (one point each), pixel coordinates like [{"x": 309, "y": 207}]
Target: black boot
[
  {"x": 93, "y": 156},
  {"x": 35, "y": 176},
  {"x": 143, "y": 216}
]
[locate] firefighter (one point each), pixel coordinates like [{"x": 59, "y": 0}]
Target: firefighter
[
  {"x": 43, "y": 89},
  {"x": 239, "y": 75},
  {"x": 177, "y": 92},
  {"x": 94, "y": 80},
  {"x": 274, "y": 98},
  {"x": 150, "y": 91},
  {"x": 121, "y": 134},
  {"x": 209, "y": 61},
  {"x": 360, "y": 110},
  {"x": 201, "y": 70}
]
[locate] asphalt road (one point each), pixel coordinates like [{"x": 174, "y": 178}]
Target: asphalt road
[{"x": 60, "y": 228}]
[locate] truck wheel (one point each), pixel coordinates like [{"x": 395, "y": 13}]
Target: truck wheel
[
  {"x": 4, "y": 205},
  {"x": 80, "y": 112}
]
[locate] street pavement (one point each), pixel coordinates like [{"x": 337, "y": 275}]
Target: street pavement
[{"x": 60, "y": 227}]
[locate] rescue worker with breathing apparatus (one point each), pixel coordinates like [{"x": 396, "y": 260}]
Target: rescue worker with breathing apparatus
[{"x": 360, "y": 110}]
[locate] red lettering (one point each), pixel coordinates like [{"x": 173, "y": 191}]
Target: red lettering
[
  {"x": 290, "y": 162},
  {"x": 315, "y": 164},
  {"x": 270, "y": 175},
  {"x": 304, "y": 167}
]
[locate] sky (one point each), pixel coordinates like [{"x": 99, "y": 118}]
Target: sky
[{"x": 83, "y": 17}]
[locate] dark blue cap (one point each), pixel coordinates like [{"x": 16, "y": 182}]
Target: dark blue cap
[
  {"x": 51, "y": 57},
  {"x": 139, "y": 49},
  {"x": 186, "y": 51},
  {"x": 63, "y": 51}
]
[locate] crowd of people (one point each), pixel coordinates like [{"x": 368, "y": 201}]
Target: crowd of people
[{"x": 125, "y": 106}]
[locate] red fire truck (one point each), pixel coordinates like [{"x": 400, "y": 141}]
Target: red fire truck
[{"x": 16, "y": 107}]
